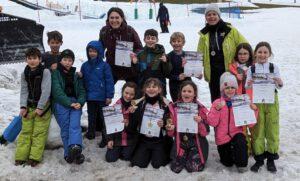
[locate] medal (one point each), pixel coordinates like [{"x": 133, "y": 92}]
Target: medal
[
  {"x": 185, "y": 138},
  {"x": 213, "y": 53}
]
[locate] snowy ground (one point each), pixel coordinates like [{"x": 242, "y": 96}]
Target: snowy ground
[{"x": 280, "y": 27}]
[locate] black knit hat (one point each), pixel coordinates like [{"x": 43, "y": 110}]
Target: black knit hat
[{"x": 67, "y": 53}]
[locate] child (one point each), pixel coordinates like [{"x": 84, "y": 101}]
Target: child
[
  {"x": 68, "y": 99},
  {"x": 149, "y": 148},
  {"x": 266, "y": 131},
  {"x": 176, "y": 77},
  {"x": 99, "y": 86},
  {"x": 191, "y": 149},
  {"x": 230, "y": 140},
  {"x": 50, "y": 59},
  {"x": 35, "y": 110},
  {"x": 152, "y": 61},
  {"x": 242, "y": 60},
  {"x": 121, "y": 144}
]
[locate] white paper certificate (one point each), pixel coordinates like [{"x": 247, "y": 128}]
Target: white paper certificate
[
  {"x": 243, "y": 114},
  {"x": 149, "y": 123},
  {"x": 263, "y": 89},
  {"x": 123, "y": 50},
  {"x": 113, "y": 119},
  {"x": 185, "y": 117},
  {"x": 194, "y": 64}
]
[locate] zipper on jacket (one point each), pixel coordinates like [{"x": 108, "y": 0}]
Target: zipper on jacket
[{"x": 216, "y": 39}]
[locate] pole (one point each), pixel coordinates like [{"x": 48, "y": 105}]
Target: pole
[
  {"x": 79, "y": 9},
  {"x": 229, "y": 9},
  {"x": 187, "y": 9},
  {"x": 38, "y": 11}
]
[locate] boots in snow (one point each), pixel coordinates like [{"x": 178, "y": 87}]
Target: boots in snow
[{"x": 259, "y": 162}]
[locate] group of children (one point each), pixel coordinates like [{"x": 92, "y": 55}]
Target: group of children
[{"x": 95, "y": 85}]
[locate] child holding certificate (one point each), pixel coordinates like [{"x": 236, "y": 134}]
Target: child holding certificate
[
  {"x": 266, "y": 131},
  {"x": 230, "y": 139},
  {"x": 121, "y": 144},
  {"x": 243, "y": 59},
  {"x": 190, "y": 149},
  {"x": 149, "y": 119},
  {"x": 152, "y": 61}
]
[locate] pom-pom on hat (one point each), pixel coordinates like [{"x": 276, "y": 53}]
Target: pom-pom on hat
[
  {"x": 228, "y": 80},
  {"x": 213, "y": 7}
]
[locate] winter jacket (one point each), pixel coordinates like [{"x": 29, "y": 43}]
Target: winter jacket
[
  {"x": 177, "y": 69},
  {"x": 235, "y": 70},
  {"x": 150, "y": 66},
  {"x": 108, "y": 37},
  {"x": 202, "y": 129},
  {"x": 163, "y": 13},
  {"x": 36, "y": 92},
  {"x": 97, "y": 76},
  {"x": 58, "y": 89},
  {"x": 124, "y": 138},
  {"x": 231, "y": 39},
  {"x": 223, "y": 122}
]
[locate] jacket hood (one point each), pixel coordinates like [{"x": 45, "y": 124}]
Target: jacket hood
[{"x": 98, "y": 46}]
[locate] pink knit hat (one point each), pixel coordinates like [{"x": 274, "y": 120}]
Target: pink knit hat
[{"x": 228, "y": 80}]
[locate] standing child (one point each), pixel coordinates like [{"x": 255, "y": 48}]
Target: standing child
[
  {"x": 99, "y": 86},
  {"x": 230, "y": 140},
  {"x": 68, "y": 99},
  {"x": 176, "y": 56},
  {"x": 121, "y": 144},
  {"x": 50, "y": 59},
  {"x": 243, "y": 59},
  {"x": 149, "y": 148},
  {"x": 191, "y": 150},
  {"x": 266, "y": 131},
  {"x": 152, "y": 61},
  {"x": 35, "y": 110}
]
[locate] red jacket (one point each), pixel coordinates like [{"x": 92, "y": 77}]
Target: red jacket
[
  {"x": 108, "y": 36},
  {"x": 233, "y": 68},
  {"x": 223, "y": 122},
  {"x": 202, "y": 129}
]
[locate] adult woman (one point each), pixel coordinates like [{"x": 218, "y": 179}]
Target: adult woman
[
  {"x": 117, "y": 29},
  {"x": 218, "y": 42}
]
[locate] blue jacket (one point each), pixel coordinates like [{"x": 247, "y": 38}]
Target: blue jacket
[{"x": 97, "y": 75}]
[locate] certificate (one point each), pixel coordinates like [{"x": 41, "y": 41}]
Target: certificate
[
  {"x": 243, "y": 114},
  {"x": 113, "y": 118},
  {"x": 123, "y": 50},
  {"x": 194, "y": 64},
  {"x": 151, "y": 116},
  {"x": 185, "y": 117},
  {"x": 263, "y": 89}
]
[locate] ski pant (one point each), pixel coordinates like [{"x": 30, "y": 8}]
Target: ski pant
[
  {"x": 32, "y": 139},
  {"x": 234, "y": 152},
  {"x": 147, "y": 152},
  {"x": 191, "y": 158},
  {"x": 68, "y": 120},
  {"x": 13, "y": 129},
  {"x": 95, "y": 117},
  {"x": 164, "y": 26},
  {"x": 266, "y": 130},
  {"x": 123, "y": 152}
]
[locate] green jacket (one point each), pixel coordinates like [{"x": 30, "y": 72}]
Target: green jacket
[
  {"x": 58, "y": 86},
  {"x": 231, "y": 41}
]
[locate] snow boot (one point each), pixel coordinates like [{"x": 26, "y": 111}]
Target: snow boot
[
  {"x": 270, "y": 162},
  {"x": 32, "y": 163},
  {"x": 242, "y": 169},
  {"x": 74, "y": 152},
  {"x": 259, "y": 162},
  {"x": 80, "y": 159}
]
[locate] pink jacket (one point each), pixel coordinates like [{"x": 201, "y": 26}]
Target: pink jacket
[
  {"x": 223, "y": 123},
  {"x": 201, "y": 129}
]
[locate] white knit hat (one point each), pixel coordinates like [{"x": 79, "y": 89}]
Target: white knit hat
[
  {"x": 213, "y": 7},
  {"x": 228, "y": 80}
]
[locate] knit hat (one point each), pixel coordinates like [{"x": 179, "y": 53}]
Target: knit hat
[
  {"x": 67, "y": 53},
  {"x": 228, "y": 80},
  {"x": 213, "y": 7}
]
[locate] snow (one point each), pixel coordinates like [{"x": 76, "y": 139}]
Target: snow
[{"x": 280, "y": 27}]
